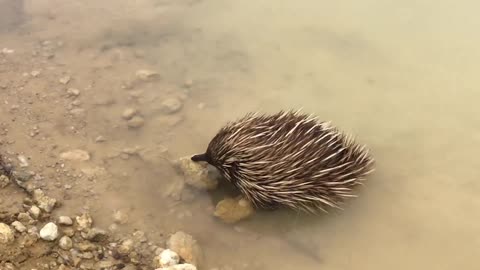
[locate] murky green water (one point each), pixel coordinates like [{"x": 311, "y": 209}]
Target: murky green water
[{"x": 401, "y": 75}]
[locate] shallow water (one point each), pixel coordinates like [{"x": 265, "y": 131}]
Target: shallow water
[{"x": 402, "y": 76}]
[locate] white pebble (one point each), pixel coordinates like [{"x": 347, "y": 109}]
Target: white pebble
[
  {"x": 168, "y": 258},
  {"x": 49, "y": 232},
  {"x": 23, "y": 161}
]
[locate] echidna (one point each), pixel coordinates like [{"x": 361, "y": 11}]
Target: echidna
[{"x": 288, "y": 159}]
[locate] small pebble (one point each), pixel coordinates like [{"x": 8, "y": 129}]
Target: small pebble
[
  {"x": 120, "y": 217},
  {"x": 6, "y": 234},
  {"x": 136, "y": 122},
  {"x": 171, "y": 105},
  {"x": 145, "y": 74},
  {"x": 49, "y": 232},
  {"x": 65, "y": 80},
  {"x": 65, "y": 243},
  {"x": 84, "y": 222},
  {"x": 126, "y": 247},
  {"x": 17, "y": 225},
  {"x": 183, "y": 266},
  {"x": 95, "y": 235},
  {"x": 129, "y": 113},
  {"x": 73, "y": 92},
  {"x": 4, "y": 181},
  {"x": 23, "y": 161},
  {"x": 43, "y": 201},
  {"x": 168, "y": 258},
  {"x": 75, "y": 155},
  {"x": 34, "y": 211},
  {"x": 65, "y": 220},
  {"x": 100, "y": 139},
  {"x": 35, "y": 73}
]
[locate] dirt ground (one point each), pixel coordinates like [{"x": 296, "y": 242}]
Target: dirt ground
[{"x": 87, "y": 117}]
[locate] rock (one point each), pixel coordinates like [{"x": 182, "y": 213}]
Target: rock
[
  {"x": 95, "y": 235},
  {"x": 105, "y": 265},
  {"x": 65, "y": 220},
  {"x": 19, "y": 226},
  {"x": 196, "y": 174},
  {"x": 84, "y": 222},
  {"x": 75, "y": 155},
  {"x": 140, "y": 237},
  {"x": 43, "y": 201},
  {"x": 23, "y": 161},
  {"x": 120, "y": 217},
  {"x": 136, "y": 122},
  {"x": 186, "y": 247},
  {"x": 34, "y": 211},
  {"x": 25, "y": 218},
  {"x": 65, "y": 80},
  {"x": 100, "y": 139},
  {"x": 145, "y": 74},
  {"x": 171, "y": 105},
  {"x": 6, "y": 234},
  {"x": 73, "y": 92},
  {"x": 183, "y": 266},
  {"x": 86, "y": 246},
  {"x": 129, "y": 113},
  {"x": 77, "y": 112},
  {"x": 232, "y": 210},
  {"x": 4, "y": 181},
  {"x": 49, "y": 232},
  {"x": 35, "y": 73},
  {"x": 126, "y": 247},
  {"x": 69, "y": 231},
  {"x": 113, "y": 228},
  {"x": 168, "y": 258},
  {"x": 65, "y": 243}
]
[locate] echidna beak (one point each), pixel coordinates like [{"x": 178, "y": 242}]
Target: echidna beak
[{"x": 199, "y": 157}]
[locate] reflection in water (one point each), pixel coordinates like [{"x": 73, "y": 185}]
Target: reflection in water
[{"x": 401, "y": 76}]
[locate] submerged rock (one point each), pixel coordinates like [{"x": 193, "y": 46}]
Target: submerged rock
[
  {"x": 232, "y": 210},
  {"x": 171, "y": 105},
  {"x": 196, "y": 174},
  {"x": 84, "y": 222},
  {"x": 136, "y": 122},
  {"x": 75, "y": 155},
  {"x": 186, "y": 247},
  {"x": 146, "y": 74}
]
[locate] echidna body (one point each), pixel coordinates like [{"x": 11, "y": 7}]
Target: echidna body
[{"x": 288, "y": 159}]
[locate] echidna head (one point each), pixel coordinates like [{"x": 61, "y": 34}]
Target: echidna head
[{"x": 217, "y": 152}]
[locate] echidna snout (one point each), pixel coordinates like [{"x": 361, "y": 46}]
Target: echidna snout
[{"x": 200, "y": 157}]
